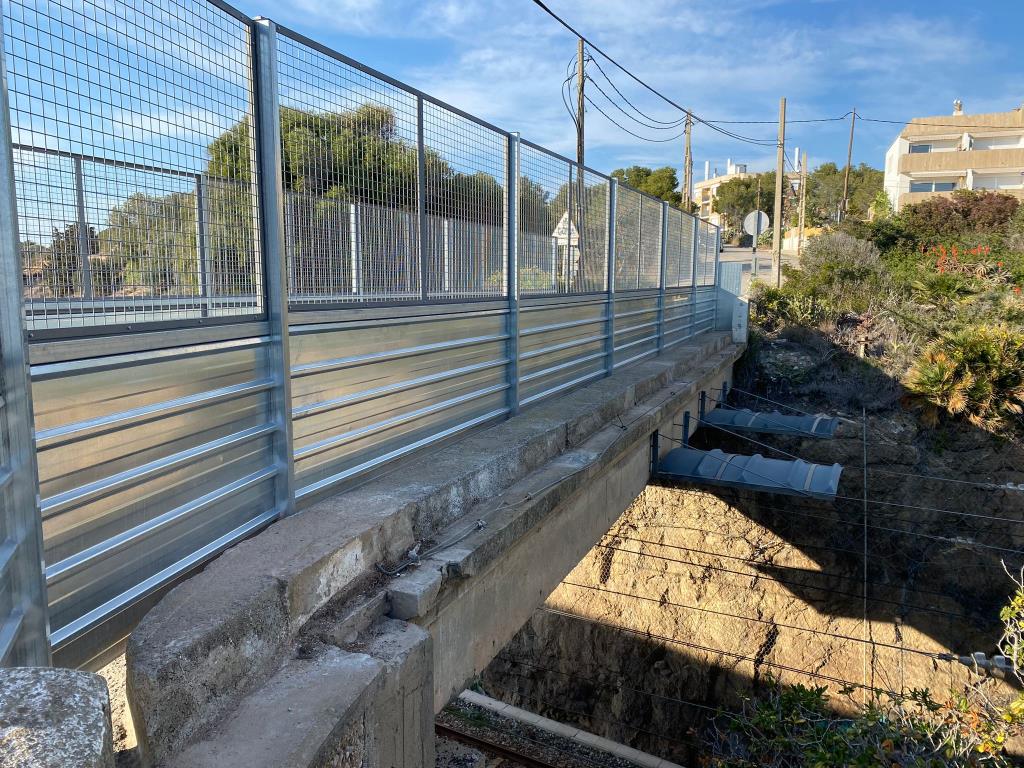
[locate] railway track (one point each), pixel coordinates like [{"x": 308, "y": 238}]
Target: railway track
[{"x": 489, "y": 746}]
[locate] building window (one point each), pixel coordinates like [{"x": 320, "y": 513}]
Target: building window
[
  {"x": 920, "y": 149},
  {"x": 932, "y": 186}
]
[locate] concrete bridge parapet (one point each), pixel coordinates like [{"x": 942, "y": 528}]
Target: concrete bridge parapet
[{"x": 293, "y": 648}]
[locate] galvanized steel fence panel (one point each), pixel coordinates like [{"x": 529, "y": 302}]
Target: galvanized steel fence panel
[{"x": 253, "y": 271}]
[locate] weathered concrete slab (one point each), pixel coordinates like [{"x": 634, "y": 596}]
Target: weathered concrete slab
[
  {"x": 403, "y": 713},
  {"x": 54, "y": 718},
  {"x": 311, "y": 713}
]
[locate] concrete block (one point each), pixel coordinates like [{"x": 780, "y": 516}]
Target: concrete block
[
  {"x": 311, "y": 714},
  {"x": 404, "y": 713},
  {"x": 205, "y": 645},
  {"x": 54, "y": 718},
  {"x": 413, "y": 593}
]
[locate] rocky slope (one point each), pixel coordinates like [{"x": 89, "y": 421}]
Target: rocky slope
[{"x": 696, "y": 597}]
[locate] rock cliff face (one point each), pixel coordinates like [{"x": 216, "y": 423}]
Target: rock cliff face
[{"x": 696, "y": 597}]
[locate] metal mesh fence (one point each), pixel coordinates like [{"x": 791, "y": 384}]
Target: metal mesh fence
[
  {"x": 650, "y": 243},
  {"x": 706, "y": 256},
  {"x": 627, "y": 239},
  {"x": 134, "y": 154},
  {"x": 350, "y": 165},
  {"x": 118, "y": 112},
  {"x": 563, "y": 226},
  {"x": 594, "y": 228},
  {"x": 466, "y": 169}
]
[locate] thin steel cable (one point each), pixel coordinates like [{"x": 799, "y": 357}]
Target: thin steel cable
[
  {"x": 726, "y": 614},
  {"x": 707, "y": 649}
]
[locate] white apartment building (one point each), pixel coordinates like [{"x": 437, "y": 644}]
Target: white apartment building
[{"x": 937, "y": 155}]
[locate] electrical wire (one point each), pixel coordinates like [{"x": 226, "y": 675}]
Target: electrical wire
[
  {"x": 707, "y": 649},
  {"x": 621, "y": 127},
  {"x": 759, "y": 575},
  {"x": 770, "y": 622},
  {"x": 669, "y": 123}
]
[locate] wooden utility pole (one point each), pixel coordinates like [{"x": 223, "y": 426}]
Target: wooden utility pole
[
  {"x": 576, "y": 215},
  {"x": 803, "y": 205},
  {"x": 849, "y": 160},
  {"x": 688, "y": 167},
  {"x": 580, "y": 100},
  {"x": 780, "y": 173}
]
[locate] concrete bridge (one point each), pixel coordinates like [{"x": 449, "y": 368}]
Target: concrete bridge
[{"x": 334, "y": 636}]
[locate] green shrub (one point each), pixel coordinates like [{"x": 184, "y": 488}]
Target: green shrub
[
  {"x": 977, "y": 372},
  {"x": 965, "y": 211},
  {"x": 839, "y": 272}
]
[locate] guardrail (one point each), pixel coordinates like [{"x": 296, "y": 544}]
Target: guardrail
[{"x": 255, "y": 271}]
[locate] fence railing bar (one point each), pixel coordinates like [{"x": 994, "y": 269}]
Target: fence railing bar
[
  {"x": 271, "y": 209},
  {"x": 512, "y": 217},
  {"x": 26, "y": 627},
  {"x": 613, "y": 187}
]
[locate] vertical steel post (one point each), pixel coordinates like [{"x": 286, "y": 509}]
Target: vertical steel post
[
  {"x": 84, "y": 246},
  {"x": 693, "y": 276},
  {"x": 512, "y": 224},
  {"x": 718, "y": 277},
  {"x": 662, "y": 279},
  {"x": 24, "y": 632},
  {"x": 609, "y": 341},
  {"x": 201, "y": 253},
  {"x": 421, "y": 195},
  {"x": 272, "y": 241}
]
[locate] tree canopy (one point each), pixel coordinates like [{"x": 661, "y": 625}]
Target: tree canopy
[
  {"x": 738, "y": 197},
  {"x": 825, "y": 191},
  {"x": 662, "y": 182}
]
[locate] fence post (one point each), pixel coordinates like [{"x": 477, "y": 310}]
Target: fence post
[
  {"x": 24, "y": 631},
  {"x": 271, "y": 197},
  {"x": 84, "y": 246},
  {"x": 693, "y": 276},
  {"x": 663, "y": 277},
  {"x": 421, "y": 195},
  {"x": 609, "y": 342},
  {"x": 512, "y": 224}
]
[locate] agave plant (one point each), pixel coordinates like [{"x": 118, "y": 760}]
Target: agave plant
[{"x": 977, "y": 373}]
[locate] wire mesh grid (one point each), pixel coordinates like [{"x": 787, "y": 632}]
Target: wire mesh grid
[
  {"x": 650, "y": 243},
  {"x": 706, "y": 242},
  {"x": 594, "y": 229},
  {"x": 465, "y": 201},
  {"x": 547, "y": 236},
  {"x": 350, "y": 164},
  {"x": 563, "y": 226},
  {"x": 674, "y": 253},
  {"x": 117, "y": 111},
  {"x": 627, "y": 238}
]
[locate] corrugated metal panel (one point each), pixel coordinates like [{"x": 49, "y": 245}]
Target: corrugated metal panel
[
  {"x": 636, "y": 327},
  {"x": 369, "y": 388},
  {"x": 756, "y": 473},
  {"x": 561, "y": 345},
  {"x": 678, "y": 316},
  {"x": 144, "y": 459}
]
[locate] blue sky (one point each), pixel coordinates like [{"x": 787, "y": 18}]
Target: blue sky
[{"x": 725, "y": 59}]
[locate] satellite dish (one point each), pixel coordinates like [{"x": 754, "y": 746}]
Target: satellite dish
[{"x": 756, "y": 222}]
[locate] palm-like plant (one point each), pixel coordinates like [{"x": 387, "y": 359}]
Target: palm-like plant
[{"x": 977, "y": 372}]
